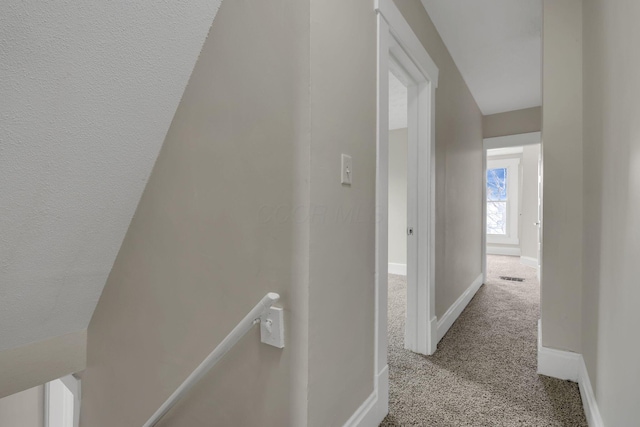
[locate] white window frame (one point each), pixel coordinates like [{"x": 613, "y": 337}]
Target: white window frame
[{"x": 512, "y": 165}]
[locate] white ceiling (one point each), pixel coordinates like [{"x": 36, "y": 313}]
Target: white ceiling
[
  {"x": 89, "y": 90},
  {"x": 496, "y": 44},
  {"x": 397, "y": 103}
]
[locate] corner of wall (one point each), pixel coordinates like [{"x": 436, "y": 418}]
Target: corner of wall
[
  {"x": 34, "y": 364},
  {"x": 561, "y": 285}
]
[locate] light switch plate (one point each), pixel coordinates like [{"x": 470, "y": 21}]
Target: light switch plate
[
  {"x": 272, "y": 327},
  {"x": 347, "y": 170}
]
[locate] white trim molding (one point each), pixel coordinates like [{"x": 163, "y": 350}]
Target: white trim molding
[
  {"x": 503, "y": 250},
  {"x": 62, "y": 402},
  {"x": 589, "y": 403},
  {"x": 399, "y": 269},
  {"x": 401, "y": 31},
  {"x": 456, "y": 309},
  {"x": 566, "y": 365},
  {"x": 529, "y": 261},
  {"x": 375, "y": 407}
]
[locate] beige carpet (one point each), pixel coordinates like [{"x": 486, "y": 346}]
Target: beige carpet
[{"x": 484, "y": 372}]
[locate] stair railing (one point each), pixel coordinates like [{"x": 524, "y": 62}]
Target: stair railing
[{"x": 253, "y": 318}]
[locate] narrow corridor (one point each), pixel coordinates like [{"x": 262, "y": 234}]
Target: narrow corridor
[{"x": 484, "y": 372}]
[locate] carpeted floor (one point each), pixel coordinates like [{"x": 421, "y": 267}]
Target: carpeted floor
[{"x": 484, "y": 372}]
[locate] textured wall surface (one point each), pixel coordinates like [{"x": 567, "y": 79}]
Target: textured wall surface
[
  {"x": 512, "y": 122},
  {"x": 610, "y": 315},
  {"x": 219, "y": 225},
  {"x": 88, "y": 93},
  {"x": 24, "y": 409}
]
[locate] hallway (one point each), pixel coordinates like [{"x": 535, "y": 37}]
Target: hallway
[{"x": 484, "y": 372}]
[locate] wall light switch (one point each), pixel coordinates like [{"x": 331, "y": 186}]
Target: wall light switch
[
  {"x": 272, "y": 327},
  {"x": 347, "y": 170}
]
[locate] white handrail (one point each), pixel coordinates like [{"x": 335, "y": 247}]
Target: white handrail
[{"x": 230, "y": 340}]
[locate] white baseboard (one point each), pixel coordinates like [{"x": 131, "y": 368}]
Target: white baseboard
[
  {"x": 528, "y": 261},
  {"x": 500, "y": 250},
  {"x": 456, "y": 309},
  {"x": 382, "y": 404},
  {"x": 591, "y": 410},
  {"x": 376, "y": 406},
  {"x": 400, "y": 269},
  {"x": 561, "y": 364},
  {"x": 433, "y": 335},
  {"x": 566, "y": 365}
]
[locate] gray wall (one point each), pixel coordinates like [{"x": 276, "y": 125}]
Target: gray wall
[
  {"x": 529, "y": 202},
  {"x": 24, "y": 409},
  {"x": 458, "y": 168},
  {"x": 611, "y": 294},
  {"x": 342, "y": 242},
  {"x": 561, "y": 287},
  {"x": 219, "y": 225},
  {"x": 512, "y": 122},
  {"x": 398, "y": 141},
  {"x": 246, "y": 198},
  {"x": 34, "y": 364}
]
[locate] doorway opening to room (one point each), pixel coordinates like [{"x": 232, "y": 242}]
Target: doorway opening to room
[
  {"x": 408, "y": 237},
  {"x": 401, "y": 221},
  {"x": 513, "y": 211}
]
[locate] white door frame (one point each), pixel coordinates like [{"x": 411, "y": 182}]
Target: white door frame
[
  {"x": 56, "y": 402},
  {"x": 507, "y": 141},
  {"x": 398, "y": 43}
]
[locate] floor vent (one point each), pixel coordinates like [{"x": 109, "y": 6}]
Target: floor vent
[{"x": 512, "y": 279}]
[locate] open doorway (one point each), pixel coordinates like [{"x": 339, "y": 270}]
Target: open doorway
[
  {"x": 401, "y": 234},
  {"x": 513, "y": 208},
  {"x": 401, "y": 53},
  {"x": 409, "y": 204},
  {"x": 398, "y": 159}
]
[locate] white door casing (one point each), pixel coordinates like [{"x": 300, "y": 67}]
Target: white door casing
[
  {"x": 62, "y": 402},
  {"x": 399, "y": 47}
]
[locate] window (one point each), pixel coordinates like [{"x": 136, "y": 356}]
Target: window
[
  {"x": 502, "y": 200},
  {"x": 497, "y": 201}
]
